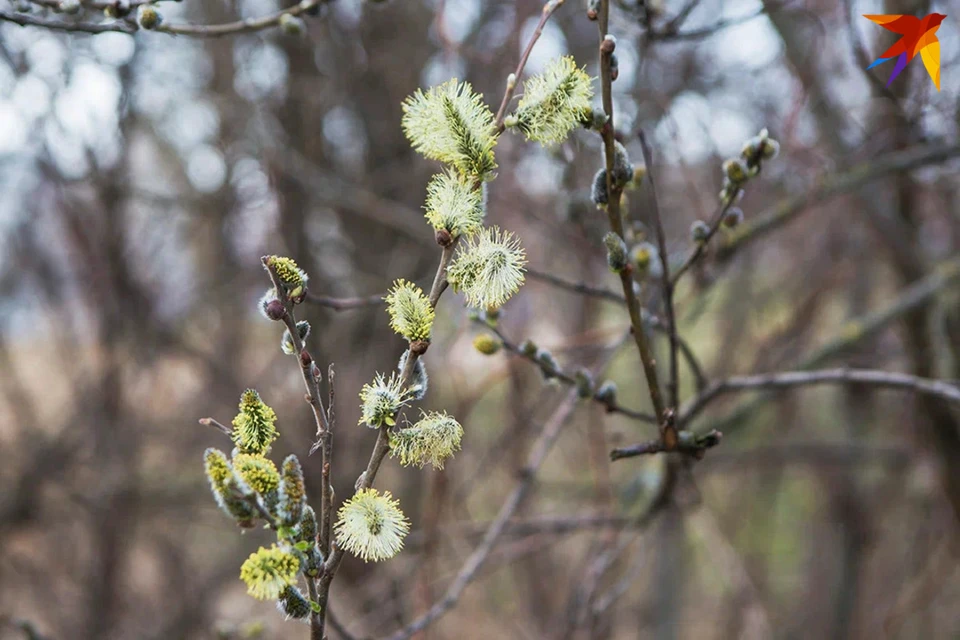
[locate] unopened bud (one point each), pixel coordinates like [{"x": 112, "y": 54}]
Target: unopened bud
[
  {"x": 733, "y": 217},
  {"x": 607, "y": 393},
  {"x": 598, "y": 192},
  {"x": 528, "y": 348},
  {"x": 486, "y": 344},
  {"x": 734, "y": 170},
  {"x": 291, "y": 25},
  {"x": 699, "y": 231},
  {"x": 609, "y": 44},
  {"x": 584, "y": 382},
  {"x": 148, "y": 17},
  {"x": 616, "y": 252}
]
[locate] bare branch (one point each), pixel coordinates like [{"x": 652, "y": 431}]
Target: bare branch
[
  {"x": 343, "y": 304},
  {"x": 28, "y": 20},
  {"x": 941, "y": 389}
]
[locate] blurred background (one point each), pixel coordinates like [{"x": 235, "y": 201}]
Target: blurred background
[{"x": 144, "y": 176}]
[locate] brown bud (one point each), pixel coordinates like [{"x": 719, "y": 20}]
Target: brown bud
[
  {"x": 275, "y": 310},
  {"x": 608, "y": 45},
  {"x": 443, "y": 237},
  {"x": 591, "y": 14},
  {"x": 305, "y": 359}
]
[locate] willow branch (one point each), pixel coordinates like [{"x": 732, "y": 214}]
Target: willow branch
[
  {"x": 614, "y": 192},
  {"x": 28, "y": 20},
  {"x": 867, "y": 377},
  {"x": 569, "y": 380},
  {"x": 130, "y": 27},
  {"x": 548, "y": 9},
  {"x": 576, "y": 287},
  {"x": 704, "y": 32},
  {"x": 382, "y": 446},
  {"x": 239, "y": 26}
]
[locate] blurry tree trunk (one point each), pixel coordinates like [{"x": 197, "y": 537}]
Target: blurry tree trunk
[{"x": 891, "y": 212}]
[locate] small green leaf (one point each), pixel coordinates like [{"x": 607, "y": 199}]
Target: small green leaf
[
  {"x": 303, "y": 545},
  {"x": 315, "y": 606}
]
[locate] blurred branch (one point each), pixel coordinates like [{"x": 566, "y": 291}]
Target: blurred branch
[
  {"x": 548, "y": 9},
  {"x": 546, "y": 525},
  {"x": 342, "y": 304},
  {"x": 916, "y": 295},
  {"x": 812, "y": 453},
  {"x": 240, "y": 26},
  {"x": 576, "y": 287},
  {"x": 28, "y": 20},
  {"x": 673, "y": 386},
  {"x": 859, "y": 329},
  {"x": 828, "y": 186},
  {"x": 672, "y": 32},
  {"x": 868, "y": 377}
]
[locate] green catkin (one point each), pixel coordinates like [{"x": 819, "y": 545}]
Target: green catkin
[
  {"x": 254, "y": 428},
  {"x": 292, "y": 496}
]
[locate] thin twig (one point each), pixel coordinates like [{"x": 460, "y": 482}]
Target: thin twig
[
  {"x": 28, "y": 20},
  {"x": 688, "y": 443},
  {"x": 704, "y": 32},
  {"x": 342, "y": 304},
  {"x": 210, "y": 422},
  {"x": 674, "y": 384},
  {"x": 701, "y": 248},
  {"x": 938, "y": 388},
  {"x": 240, "y": 26},
  {"x": 195, "y": 30},
  {"x": 576, "y": 287},
  {"x": 316, "y": 617},
  {"x": 655, "y": 321},
  {"x": 548, "y": 9},
  {"x": 567, "y": 379}
]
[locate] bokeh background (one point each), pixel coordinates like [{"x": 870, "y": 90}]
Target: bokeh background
[{"x": 143, "y": 177}]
